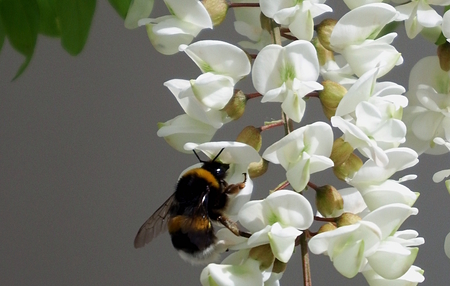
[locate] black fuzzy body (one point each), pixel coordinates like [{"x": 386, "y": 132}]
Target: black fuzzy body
[{"x": 199, "y": 199}]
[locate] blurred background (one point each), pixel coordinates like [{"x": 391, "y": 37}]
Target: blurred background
[{"x": 81, "y": 167}]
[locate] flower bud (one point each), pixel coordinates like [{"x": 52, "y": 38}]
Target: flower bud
[
  {"x": 263, "y": 254},
  {"x": 256, "y": 169},
  {"x": 323, "y": 54},
  {"x": 329, "y": 226},
  {"x": 217, "y": 10},
  {"x": 331, "y": 96},
  {"x": 278, "y": 266},
  {"x": 341, "y": 151},
  {"x": 347, "y": 219},
  {"x": 328, "y": 200},
  {"x": 324, "y": 30},
  {"x": 236, "y": 106},
  {"x": 443, "y": 52},
  {"x": 348, "y": 168},
  {"x": 251, "y": 135}
]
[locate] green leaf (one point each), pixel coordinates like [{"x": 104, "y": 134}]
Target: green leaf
[
  {"x": 20, "y": 21},
  {"x": 48, "y": 21},
  {"x": 121, "y": 7},
  {"x": 75, "y": 17},
  {"x": 2, "y": 35},
  {"x": 23, "y": 66}
]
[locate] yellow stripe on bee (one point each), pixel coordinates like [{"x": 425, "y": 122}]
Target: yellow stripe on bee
[
  {"x": 175, "y": 223},
  {"x": 188, "y": 224},
  {"x": 205, "y": 175}
]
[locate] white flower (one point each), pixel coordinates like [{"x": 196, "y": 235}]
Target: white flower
[
  {"x": 428, "y": 113},
  {"x": 298, "y": 15},
  {"x": 365, "y": 139},
  {"x": 338, "y": 71},
  {"x": 412, "y": 277},
  {"x": 398, "y": 249},
  {"x": 447, "y": 245},
  {"x": 232, "y": 271},
  {"x": 372, "y": 180},
  {"x": 248, "y": 24},
  {"x": 287, "y": 74},
  {"x": 369, "y": 116},
  {"x": 219, "y": 58},
  {"x": 239, "y": 156},
  {"x": 418, "y": 14},
  {"x": 446, "y": 25},
  {"x": 277, "y": 220},
  {"x": 203, "y": 98},
  {"x": 167, "y": 33},
  {"x": 352, "y": 4},
  {"x": 354, "y": 37},
  {"x": 441, "y": 175},
  {"x": 351, "y": 247},
  {"x": 346, "y": 246},
  {"x": 303, "y": 152},
  {"x": 182, "y": 129},
  {"x": 138, "y": 10},
  {"x": 385, "y": 95}
]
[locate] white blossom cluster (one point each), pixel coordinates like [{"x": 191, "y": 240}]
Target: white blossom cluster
[{"x": 341, "y": 63}]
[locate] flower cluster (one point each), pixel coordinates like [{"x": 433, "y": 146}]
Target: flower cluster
[{"x": 383, "y": 128}]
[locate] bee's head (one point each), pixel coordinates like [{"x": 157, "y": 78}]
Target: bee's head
[{"x": 218, "y": 169}]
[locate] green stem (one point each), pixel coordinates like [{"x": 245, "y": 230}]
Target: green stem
[
  {"x": 272, "y": 125},
  {"x": 288, "y": 127},
  {"x": 305, "y": 260},
  {"x": 253, "y": 95},
  {"x": 243, "y": 5}
]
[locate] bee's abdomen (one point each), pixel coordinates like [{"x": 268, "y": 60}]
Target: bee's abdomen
[{"x": 191, "y": 234}]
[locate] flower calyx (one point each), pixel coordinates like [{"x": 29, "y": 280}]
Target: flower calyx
[
  {"x": 328, "y": 200},
  {"x": 324, "y": 30},
  {"x": 330, "y": 97},
  {"x": 235, "y": 108},
  {"x": 217, "y": 10}
]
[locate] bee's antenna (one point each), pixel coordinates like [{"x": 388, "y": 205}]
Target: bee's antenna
[
  {"x": 196, "y": 155},
  {"x": 218, "y": 154},
  {"x": 201, "y": 161}
]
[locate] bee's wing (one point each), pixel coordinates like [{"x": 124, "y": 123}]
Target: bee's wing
[{"x": 155, "y": 225}]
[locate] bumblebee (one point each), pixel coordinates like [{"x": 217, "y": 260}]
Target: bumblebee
[{"x": 200, "y": 199}]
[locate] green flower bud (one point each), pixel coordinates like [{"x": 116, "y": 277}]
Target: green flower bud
[
  {"x": 443, "y": 52},
  {"x": 329, "y": 226},
  {"x": 331, "y": 96},
  {"x": 323, "y": 54},
  {"x": 341, "y": 151},
  {"x": 217, "y": 10},
  {"x": 348, "y": 168},
  {"x": 324, "y": 30},
  {"x": 328, "y": 200},
  {"x": 256, "y": 169},
  {"x": 263, "y": 254},
  {"x": 236, "y": 106},
  {"x": 347, "y": 219},
  {"x": 251, "y": 135}
]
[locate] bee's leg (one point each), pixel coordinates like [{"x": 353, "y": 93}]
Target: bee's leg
[
  {"x": 235, "y": 188},
  {"x": 232, "y": 226}
]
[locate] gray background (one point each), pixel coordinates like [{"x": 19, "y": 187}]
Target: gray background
[{"x": 81, "y": 167}]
